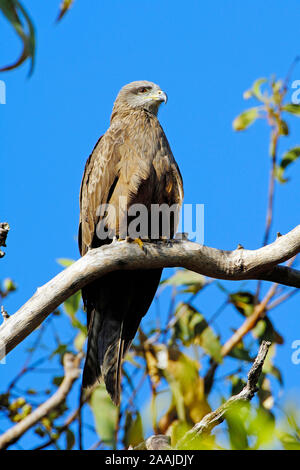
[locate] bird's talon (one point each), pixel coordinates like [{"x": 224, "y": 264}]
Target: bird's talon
[
  {"x": 140, "y": 243},
  {"x": 135, "y": 240}
]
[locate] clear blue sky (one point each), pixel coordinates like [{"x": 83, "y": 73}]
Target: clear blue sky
[{"x": 204, "y": 55}]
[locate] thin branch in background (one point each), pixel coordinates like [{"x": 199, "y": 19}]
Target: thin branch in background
[
  {"x": 26, "y": 368},
  {"x": 72, "y": 372},
  {"x": 282, "y": 298},
  {"x": 274, "y": 143},
  {"x": 97, "y": 444},
  {"x": 136, "y": 390},
  {"x": 290, "y": 71}
]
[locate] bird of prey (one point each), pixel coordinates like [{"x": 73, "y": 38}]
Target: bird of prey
[{"x": 132, "y": 163}]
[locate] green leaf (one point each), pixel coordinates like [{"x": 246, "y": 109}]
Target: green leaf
[
  {"x": 79, "y": 341},
  {"x": 264, "y": 330},
  {"x": 11, "y": 10},
  {"x": 239, "y": 352},
  {"x": 71, "y": 305},
  {"x": 283, "y": 127},
  {"x": 177, "y": 397},
  {"x": 9, "y": 285},
  {"x": 289, "y": 441},
  {"x": 191, "y": 327},
  {"x": 255, "y": 90},
  {"x": 66, "y": 262},
  {"x": 57, "y": 380},
  {"x": 133, "y": 430},
  {"x": 70, "y": 438},
  {"x": 177, "y": 430},
  {"x": 243, "y": 302},
  {"x": 194, "y": 282},
  {"x": 237, "y": 384},
  {"x": 292, "y": 109},
  {"x": 105, "y": 414},
  {"x": 60, "y": 351},
  {"x": 288, "y": 158},
  {"x": 236, "y": 421},
  {"x": 64, "y": 7},
  {"x": 245, "y": 119},
  {"x": 262, "y": 426}
]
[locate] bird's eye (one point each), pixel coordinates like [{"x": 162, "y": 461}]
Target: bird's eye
[{"x": 142, "y": 90}]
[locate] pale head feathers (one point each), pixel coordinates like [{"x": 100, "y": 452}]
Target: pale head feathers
[{"x": 140, "y": 95}]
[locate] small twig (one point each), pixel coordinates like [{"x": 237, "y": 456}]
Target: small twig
[
  {"x": 4, "y": 229},
  {"x": 282, "y": 298},
  {"x": 4, "y": 313},
  {"x": 205, "y": 426},
  {"x": 274, "y": 142}
]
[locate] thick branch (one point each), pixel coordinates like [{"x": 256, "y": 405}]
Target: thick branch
[
  {"x": 232, "y": 265},
  {"x": 72, "y": 372},
  {"x": 205, "y": 426}
]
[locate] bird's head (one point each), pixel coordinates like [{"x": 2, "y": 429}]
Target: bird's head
[{"x": 141, "y": 94}]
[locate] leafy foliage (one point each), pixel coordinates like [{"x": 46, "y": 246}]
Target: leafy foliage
[{"x": 20, "y": 20}]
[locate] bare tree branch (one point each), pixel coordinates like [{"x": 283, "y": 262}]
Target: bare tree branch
[
  {"x": 232, "y": 265},
  {"x": 72, "y": 372},
  {"x": 205, "y": 426}
]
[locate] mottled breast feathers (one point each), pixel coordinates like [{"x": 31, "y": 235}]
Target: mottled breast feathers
[{"x": 132, "y": 160}]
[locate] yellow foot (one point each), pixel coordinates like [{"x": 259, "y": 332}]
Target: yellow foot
[{"x": 136, "y": 240}]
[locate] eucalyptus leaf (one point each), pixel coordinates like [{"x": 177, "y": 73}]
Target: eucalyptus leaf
[
  {"x": 192, "y": 281},
  {"x": 105, "y": 414},
  {"x": 288, "y": 158},
  {"x": 292, "y": 108},
  {"x": 64, "y": 7},
  {"x": 245, "y": 119},
  {"x": 255, "y": 90},
  {"x": 12, "y": 10},
  {"x": 191, "y": 327}
]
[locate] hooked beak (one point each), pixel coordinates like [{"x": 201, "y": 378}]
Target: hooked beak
[{"x": 160, "y": 96}]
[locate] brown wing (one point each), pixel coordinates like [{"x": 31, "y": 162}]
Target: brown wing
[{"x": 99, "y": 175}]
